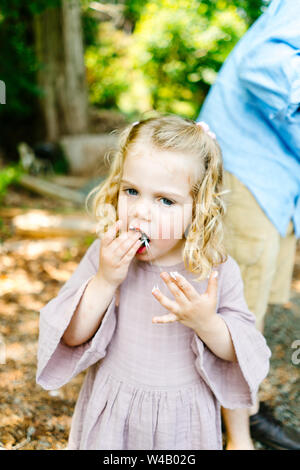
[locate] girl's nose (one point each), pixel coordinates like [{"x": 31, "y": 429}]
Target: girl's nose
[{"x": 141, "y": 211}]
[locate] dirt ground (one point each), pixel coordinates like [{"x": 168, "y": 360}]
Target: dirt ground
[{"x": 31, "y": 273}]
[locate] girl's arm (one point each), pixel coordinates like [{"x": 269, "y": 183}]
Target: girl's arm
[
  {"x": 215, "y": 334},
  {"x": 197, "y": 312},
  {"x": 57, "y": 362},
  {"x": 114, "y": 258},
  {"x": 232, "y": 356},
  {"x": 90, "y": 311}
]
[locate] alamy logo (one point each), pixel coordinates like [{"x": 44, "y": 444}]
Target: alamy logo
[
  {"x": 296, "y": 354},
  {"x": 2, "y": 92}
]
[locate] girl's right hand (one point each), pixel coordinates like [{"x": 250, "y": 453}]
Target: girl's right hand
[{"x": 117, "y": 253}]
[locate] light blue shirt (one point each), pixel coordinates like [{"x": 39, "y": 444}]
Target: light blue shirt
[{"x": 254, "y": 110}]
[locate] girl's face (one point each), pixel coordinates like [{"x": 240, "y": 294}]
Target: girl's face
[{"x": 155, "y": 197}]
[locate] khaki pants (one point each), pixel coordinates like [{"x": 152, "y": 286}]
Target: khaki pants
[{"x": 266, "y": 259}]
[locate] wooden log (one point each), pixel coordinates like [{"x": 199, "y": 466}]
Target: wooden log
[
  {"x": 41, "y": 224},
  {"x": 47, "y": 188},
  {"x": 10, "y": 212},
  {"x": 75, "y": 182}
]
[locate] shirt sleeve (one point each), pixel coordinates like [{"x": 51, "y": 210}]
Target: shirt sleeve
[
  {"x": 57, "y": 362},
  {"x": 235, "y": 384},
  {"x": 270, "y": 74}
]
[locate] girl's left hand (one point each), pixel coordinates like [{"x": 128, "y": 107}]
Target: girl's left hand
[{"x": 190, "y": 308}]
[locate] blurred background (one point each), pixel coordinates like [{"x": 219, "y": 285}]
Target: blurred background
[
  {"x": 79, "y": 67},
  {"x": 72, "y": 72}
]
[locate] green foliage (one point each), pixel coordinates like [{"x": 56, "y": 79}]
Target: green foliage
[
  {"x": 89, "y": 25},
  {"x": 133, "y": 10},
  {"x": 17, "y": 55},
  {"x": 252, "y": 8},
  {"x": 107, "y": 64},
  {"x": 9, "y": 175},
  {"x": 180, "y": 46},
  {"x": 167, "y": 61},
  {"x": 172, "y": 56},
  {"x": 18, "y": 67}
]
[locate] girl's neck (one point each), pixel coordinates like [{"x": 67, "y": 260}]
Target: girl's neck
[
  {"x": 170, "y": 259},
  {"x": 149, "y": 266}
]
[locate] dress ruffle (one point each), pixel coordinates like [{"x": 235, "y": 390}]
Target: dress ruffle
[
  {"x": 118, "y": 415},
  {"x": 235, "y": 384}
]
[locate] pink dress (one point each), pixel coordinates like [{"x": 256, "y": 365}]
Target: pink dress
[{"x": 150, "y": 386}]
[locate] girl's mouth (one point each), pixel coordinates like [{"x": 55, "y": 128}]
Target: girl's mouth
[
  {"x": 144, "y": 238},
  {"x": 142, "y": 249}
]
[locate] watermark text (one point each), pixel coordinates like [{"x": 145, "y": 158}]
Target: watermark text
[{"x": 2, "y": 92}]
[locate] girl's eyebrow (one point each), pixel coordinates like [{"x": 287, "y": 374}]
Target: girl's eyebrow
[{"x": 166, "y": 192}]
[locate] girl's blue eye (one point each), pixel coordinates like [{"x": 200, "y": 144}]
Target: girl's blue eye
[
  {"x": 130, "y": 189},
  {"x": 169, "y": 203}
]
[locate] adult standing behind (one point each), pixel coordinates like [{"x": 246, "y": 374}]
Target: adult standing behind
[{"x": 254, "y": 110}]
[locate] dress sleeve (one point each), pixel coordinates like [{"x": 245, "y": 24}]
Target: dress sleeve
[
  {"x": 235, "y": 384},
  {"x": 57, "y": 362}
]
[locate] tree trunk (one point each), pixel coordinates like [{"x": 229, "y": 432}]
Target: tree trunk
[{"x": 59, "y": 47}]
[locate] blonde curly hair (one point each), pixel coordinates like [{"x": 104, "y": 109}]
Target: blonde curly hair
[{"x": 204, "y": 247}]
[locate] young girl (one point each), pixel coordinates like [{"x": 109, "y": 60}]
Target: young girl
[{"x": 155, "y": 310}]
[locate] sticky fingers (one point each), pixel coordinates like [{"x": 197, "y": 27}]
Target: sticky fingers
[
  {"x": 168, "y": 304},
  {"x": 188, "y": 290}
]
